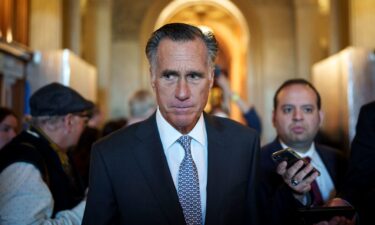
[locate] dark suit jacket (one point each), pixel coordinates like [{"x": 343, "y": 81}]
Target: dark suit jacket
[
  {"x": 359, "y": 188},
  {"x": 278, "y": 205},
  {"x": 130, "y": 182}
]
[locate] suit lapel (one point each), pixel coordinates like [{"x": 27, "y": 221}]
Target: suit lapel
[
  {"x": 217, "y": 154},
  {"x": 153, "y": 163}
]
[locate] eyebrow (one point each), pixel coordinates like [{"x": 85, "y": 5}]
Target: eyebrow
[
  {"x": 196, "y": 73},
  {"x": 292, "y": 105},
  {"x": 170, "y": 72},
  {"x": 174, "y": 72}
]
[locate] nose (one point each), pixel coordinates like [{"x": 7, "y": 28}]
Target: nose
[
  {"x": 297, "y": 115},
  {"x": 12, "y": 133},
  {"x": 182, "y": 90}
]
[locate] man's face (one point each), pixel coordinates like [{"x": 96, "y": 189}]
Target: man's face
[
  {"x": 8, "y": 129},
  {"x": 78, "y": 124},
  {"x": 297, "y": 117},
  {"x": 182, "y": 79}
]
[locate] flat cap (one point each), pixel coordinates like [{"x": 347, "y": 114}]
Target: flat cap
[{"x": 57, "y": 100}]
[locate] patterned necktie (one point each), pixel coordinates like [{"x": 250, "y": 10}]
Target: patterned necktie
[
  {"x": 315, "y": 191},
  {"x": 188, "y": 185}
]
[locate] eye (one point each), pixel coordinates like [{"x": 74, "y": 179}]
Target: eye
[
  {"x": 308, "y": 109},
  {"x": 169, "y": 76},
  {"x": 194, "y": 76},
  {"x": 287, "y": 109},
  {"x": 5, "y": 128}
]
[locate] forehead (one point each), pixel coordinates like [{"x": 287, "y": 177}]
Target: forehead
[
  {"x": 184, "y": 51},
  {"x": 297, "y": 94},
  {"x": 9, "y": 119}
]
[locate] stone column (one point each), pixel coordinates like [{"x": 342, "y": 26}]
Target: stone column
[
  {"x": 311, "y": 43},
  {"x": 96, "y": 45},
  {"x": 339, "y": 25},
  {"x": 72, "y": 26},
  {"x": 362, "y": 29},
  {"x": 46, "y": 24}
]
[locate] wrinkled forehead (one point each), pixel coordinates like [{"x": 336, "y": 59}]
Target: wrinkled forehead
[
  {"x": 182, "y": 50},
  {"x": 178, "y": 45}
]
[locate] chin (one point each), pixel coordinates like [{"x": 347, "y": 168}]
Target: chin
[{"x": 183, "y": 123}]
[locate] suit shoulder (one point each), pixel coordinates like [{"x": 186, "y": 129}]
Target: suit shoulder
[
  {"x": 230, "y": 125},
  {"x": 271, "y": 147},
  {"x": 369, "y": 106},
  {"x": 118, "y": 138},
  {"x": 331, "y": 150}
]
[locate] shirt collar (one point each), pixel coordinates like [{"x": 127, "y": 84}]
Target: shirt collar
[
  {"x": 169, "y": 134},
  {"x": 309, "y": 153}
]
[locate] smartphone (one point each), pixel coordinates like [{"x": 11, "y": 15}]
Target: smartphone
[{"x": 290, "y": 157}]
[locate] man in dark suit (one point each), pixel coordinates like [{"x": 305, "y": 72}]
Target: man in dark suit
[
  {"x": 359, "y": 186},
  {"x": 296, "y": 117},
  {"x": 180, "y": 166}
]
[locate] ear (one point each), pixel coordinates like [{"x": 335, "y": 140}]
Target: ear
[
  {"x": 211, "y": 76},
  {"x": 321, "y": 115},
  {"x": 153, "y": 77},
  {"x": 68, "y": 122},
  {"x": 273, "y": 117}
]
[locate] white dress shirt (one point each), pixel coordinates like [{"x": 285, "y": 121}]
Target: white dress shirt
[
  {"x": 324, "y": 181},
  {"x": 175, "y": 153}
]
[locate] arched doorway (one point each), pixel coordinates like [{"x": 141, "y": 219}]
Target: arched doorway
[{"x": 231, "y": 31}]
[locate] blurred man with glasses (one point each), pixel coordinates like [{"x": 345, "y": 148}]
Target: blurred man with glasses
[{"x": 38, "y": 182}]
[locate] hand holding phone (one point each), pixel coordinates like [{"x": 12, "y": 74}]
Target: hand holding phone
[
  {"x": 291, "y": 157},
  {"x": 298, "y": 174}
]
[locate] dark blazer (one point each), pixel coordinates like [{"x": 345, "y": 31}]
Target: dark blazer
[
  {"x": 278, "y": 205},
  {"x": 359, "y": 188},
  {"x": 130, "y": 182}
]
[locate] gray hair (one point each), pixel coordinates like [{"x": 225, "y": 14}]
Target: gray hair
[
  {"x": 50, "y": 122},
  {"x": 181, "y": 32},
  {"x": 141, "y": 103}
]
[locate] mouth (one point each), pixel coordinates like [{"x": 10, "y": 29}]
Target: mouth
[
  {"x": 181, "y": 109},
  {"x": 298, "y": 129}
]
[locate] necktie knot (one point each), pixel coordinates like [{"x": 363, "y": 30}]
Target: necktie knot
[
  {"x": 185, "y": 142},
  {"x": 308, "y": 159}
]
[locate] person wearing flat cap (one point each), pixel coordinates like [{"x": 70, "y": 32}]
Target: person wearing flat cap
[{"x": 38, "y": 183}]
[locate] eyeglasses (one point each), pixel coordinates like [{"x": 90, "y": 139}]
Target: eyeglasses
[{"x": 84, "y": 115}]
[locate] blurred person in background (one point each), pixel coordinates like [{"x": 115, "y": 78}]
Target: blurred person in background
[
  {"x": 82, "y": 151},
  {"x": 297, "y": 116},
  {"x": 359, "y": 186},
  {"x": 8, "y": 126},
  {"x": 142, "y": 104},
  {"x": 112, "y": 125},
  {"x": 248, "y": 110},
  {"x": 38, "y": 181}
]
